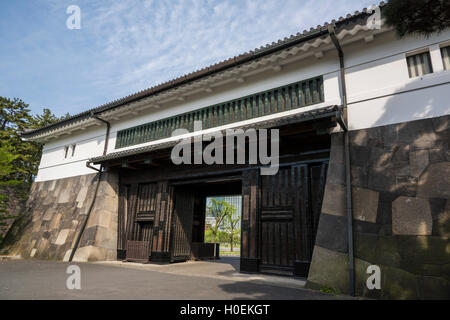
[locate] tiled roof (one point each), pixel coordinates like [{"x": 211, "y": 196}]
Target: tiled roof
[
  {"x": 295, "y": 118},
  {"x": 215, "y": 68}
]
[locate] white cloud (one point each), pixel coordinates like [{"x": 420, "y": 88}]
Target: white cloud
[{"x": 129, "y": 45}]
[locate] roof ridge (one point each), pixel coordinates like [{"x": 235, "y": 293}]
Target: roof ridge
[{"x": 202, "y": 72}]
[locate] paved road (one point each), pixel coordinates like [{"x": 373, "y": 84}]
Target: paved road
[{"x": 47, "y": 280}]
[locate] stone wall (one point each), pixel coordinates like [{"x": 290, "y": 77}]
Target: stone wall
[
  {"x": 54, "y": 214},
  {"x": 401, "y": 212},
  {"x": 12, "y": 204}
]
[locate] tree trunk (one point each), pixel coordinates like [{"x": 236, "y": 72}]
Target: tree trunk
[{"x": 231, "y": 239}]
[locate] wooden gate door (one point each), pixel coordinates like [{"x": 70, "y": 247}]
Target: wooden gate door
[
  {"x": 289, "y": 209},
  {"x": 182, "y": 225},
  {"x": 140, "y": 216}
]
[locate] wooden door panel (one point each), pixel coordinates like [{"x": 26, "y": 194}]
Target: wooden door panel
[
  {"x": 182, "y": 225},
  {"x": 288, "y": 216},
  {"x": 137, "y": 220}
]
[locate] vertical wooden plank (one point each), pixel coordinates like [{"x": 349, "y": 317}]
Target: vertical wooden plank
[
  {"x": 294, "y": 96},
  {"x": 308, "y": 92},
  {"x": 295, "y": 176},
  {"x": 245, "y": 214},
  {"x": 236, "y": 112},
  {"x": 225, "y": 118},
  {"x": 301, "y": 95},
  {"x": 289, "y": 98},
  {"x": 253, "y": 213},
  {"x": 264, "y": 243},
  {"x": 321, "y": 92},
  {"x": 248, "y": 109},
  {"x": 168, "y": 220},
  {"x": 221, "y": 112},
  {"x": 254, "y": 103},
  {"x": 242, "y": 109},
  {"x": 277, "y": 236},
  {"x": 281, "y": 104},
  {"x": 272, "y": 102},
  {"x": 315, "y": 96}
]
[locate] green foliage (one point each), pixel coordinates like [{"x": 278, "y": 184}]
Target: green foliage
[
  {"x": 223, "y": 213},
  {"x": 417, "y": 16},
  {"x": 221, "y": 237},
  {"x": 6, "y": 161},
  {"x": 231, "y": 223},
  {"x": 218, "y": 209},
  {"x": 330, "y": 290},
  {"x": 208, "y": 236},
  {"x": 19, "y": 160}
]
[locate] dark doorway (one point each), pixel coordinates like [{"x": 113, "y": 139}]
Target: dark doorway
[
  {"x": 182, "y": 224},
  {"x": 279, "y": 212},
  {"x": 189, "y": 215}
]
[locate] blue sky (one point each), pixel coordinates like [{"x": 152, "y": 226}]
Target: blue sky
[{"x": 129, "y": 45}]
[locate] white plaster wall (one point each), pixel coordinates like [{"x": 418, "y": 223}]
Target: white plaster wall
[
  {"x": 376, "y": 77},
  {"x": 53, "y": 165},
  {"x": 379, "y": 89}
]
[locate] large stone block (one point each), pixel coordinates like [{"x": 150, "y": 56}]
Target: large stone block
[
  {"x": 91, "y": 253},
  {"x": 411, "y": 216},
  {"x": 82, "y": 196},
  {"x": 434, "y": 288},
  {"x": 336, "y": 173},
  {"x": 398, "y": 284},
  {"x": 405, "y": 185},
  {"x": 64, "y": 195},
  {"x": 418, "y": 161},
  {"x": 359, "y": 156},
  {"x": 329, "y": 269},
  {"x": 381, "y": 179},
  {"x": 443, "y": 221},
  {"x": 54, "y": 224},
  {"x": 432, "y": 250},
  {"x": 359, "y": 138},
  {"x": 435, "y": 181},
  {"x": 332, "y": 232},
  {"x": 62, "y": 236},
  {"x": 359, "y": 178},
  {"x": 101, "y": 218},
  {"x": 441, "y": 123},
  {"x": 387, "y": 252},
  {"x": 384, "y": 214},
  {"x": 365, "y": 204},
  {"x": 440, "y": 211},
  {"x": 366, "y": 246},
  {"x": 334, "y": 201},
  {"x": 366, "y": 227},
  {"x": 106, "y": 238}
]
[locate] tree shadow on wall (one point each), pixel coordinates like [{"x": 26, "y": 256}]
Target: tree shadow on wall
[{"x": 408, "y": 164}]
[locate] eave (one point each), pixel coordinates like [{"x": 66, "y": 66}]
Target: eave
[{"x": 273, "y": 57}]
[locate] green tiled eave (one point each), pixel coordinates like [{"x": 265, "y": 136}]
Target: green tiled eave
[{"x": 292, "y": 96}]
